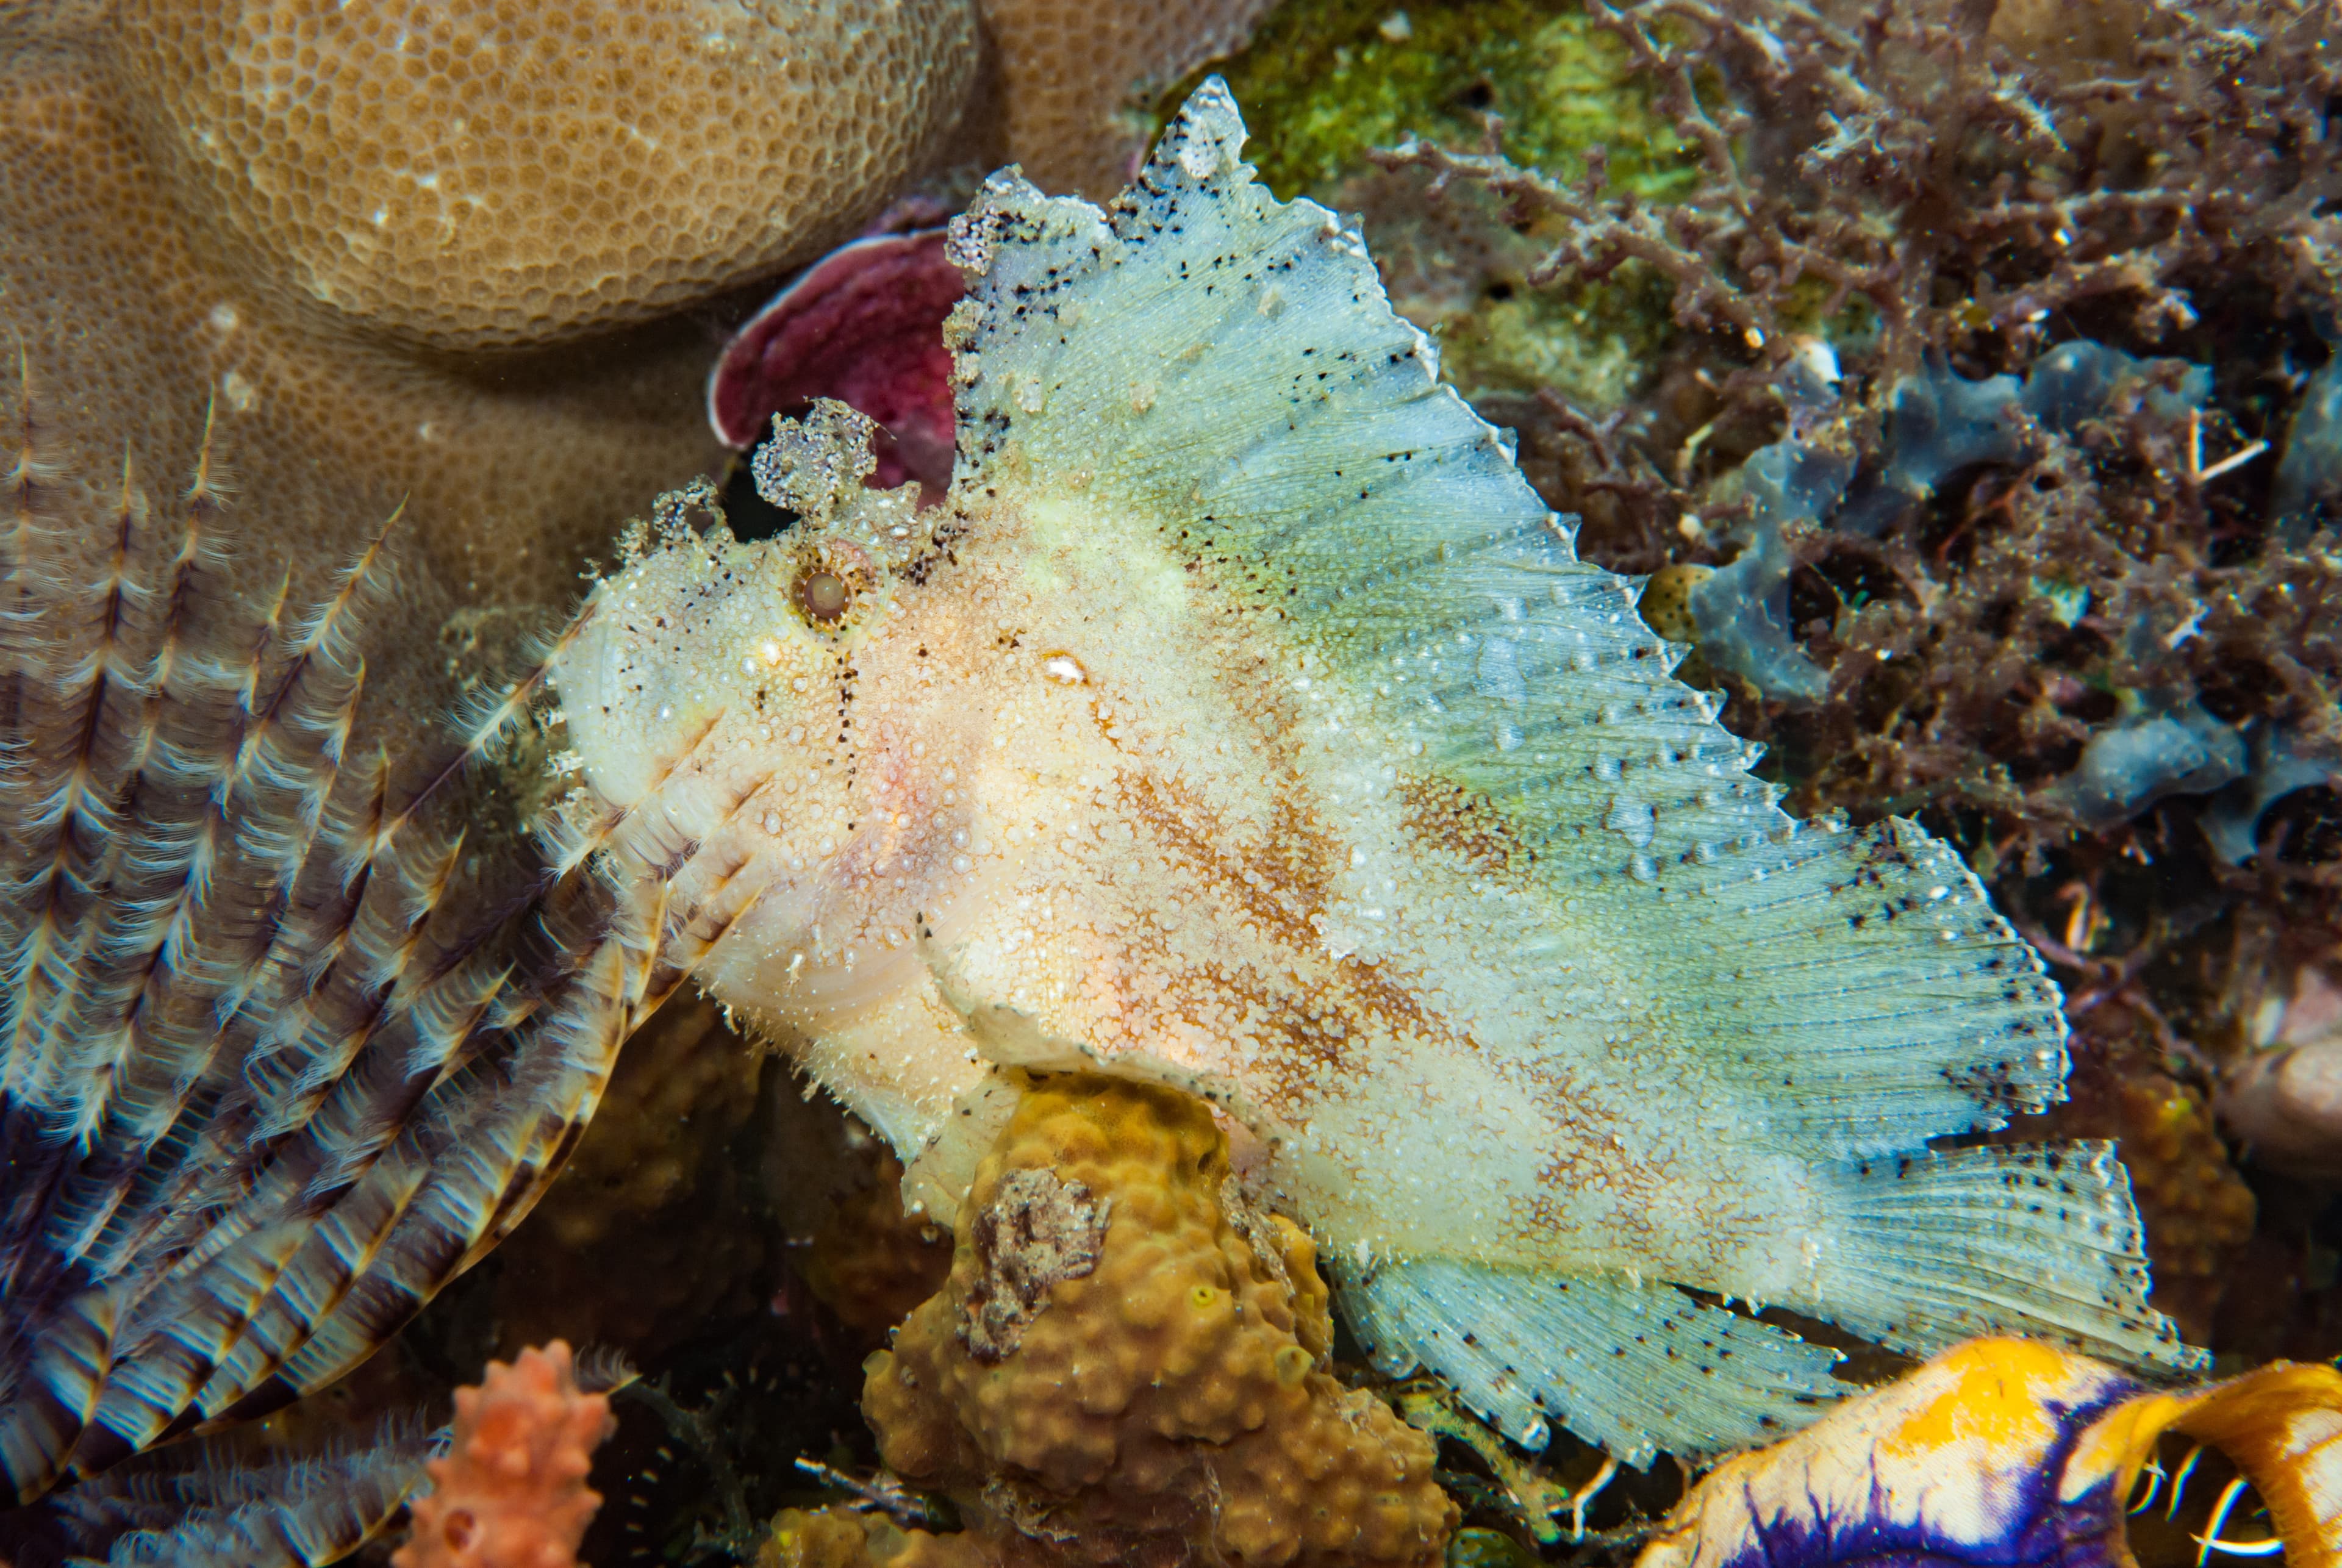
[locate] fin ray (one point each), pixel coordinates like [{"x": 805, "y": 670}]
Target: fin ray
[
  {"x": 1633, "y": 1368},
  {"x": 1940, "y": 1246}
]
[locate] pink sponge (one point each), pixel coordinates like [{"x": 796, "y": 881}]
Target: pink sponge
[{"x": 864, "y": 326}]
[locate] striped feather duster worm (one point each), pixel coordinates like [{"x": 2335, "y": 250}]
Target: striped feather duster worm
[{"x": 283, "y": 1049}]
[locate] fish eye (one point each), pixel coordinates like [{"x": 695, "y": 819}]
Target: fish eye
[
  {"x": 823, "y": 595},
  {"x": 831, "y": 578}
]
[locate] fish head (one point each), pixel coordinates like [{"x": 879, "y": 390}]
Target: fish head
[
  {"x": 714, "y": 638},
  {"x": 769, "y": 708}
]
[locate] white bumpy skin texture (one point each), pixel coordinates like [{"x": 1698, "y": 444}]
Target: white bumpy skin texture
[{"x": 1244, "y": 721}]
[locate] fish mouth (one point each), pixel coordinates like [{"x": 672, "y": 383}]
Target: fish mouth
[{"x": 633, "y": 697}]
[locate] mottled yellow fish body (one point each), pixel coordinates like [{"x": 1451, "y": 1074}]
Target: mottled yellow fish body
[{"x": 1245, "y": 721}]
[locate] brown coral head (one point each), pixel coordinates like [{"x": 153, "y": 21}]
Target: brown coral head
[
  {"x": 1037, "y": 1231},
  {"x": 500, "y": 172}
]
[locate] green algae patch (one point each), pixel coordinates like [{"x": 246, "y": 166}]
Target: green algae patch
[
  {"x": 1326, "y": 80},
  {"x": 1591, "y": 344}
]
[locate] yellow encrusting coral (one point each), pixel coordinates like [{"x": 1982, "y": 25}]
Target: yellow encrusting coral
[
  {"x": 1129, "y": 1360},
  {"x": 839, "y": 1538}
]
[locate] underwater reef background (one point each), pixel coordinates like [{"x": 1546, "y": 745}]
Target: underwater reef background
[{"x": 1965, "y": 379}]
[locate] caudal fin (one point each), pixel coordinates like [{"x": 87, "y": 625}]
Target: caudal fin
[{"x": 1938, "y": 1246}]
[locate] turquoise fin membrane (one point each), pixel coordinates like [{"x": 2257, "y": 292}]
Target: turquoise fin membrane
[
  {"x": 1938, "y": 1246},
  {"x": 1633, "y": 1368}
]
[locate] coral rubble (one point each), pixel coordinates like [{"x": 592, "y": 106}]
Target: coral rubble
[
  {"x": 1129, "y": 1362},
  {"x": 2286, "y": 1104},
  {"x": 1916, "y": 160}
]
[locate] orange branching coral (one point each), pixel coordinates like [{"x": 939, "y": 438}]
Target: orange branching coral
[
  {"x": 1129, "y": 1362},
  {"x": 511, "y": 1492}
]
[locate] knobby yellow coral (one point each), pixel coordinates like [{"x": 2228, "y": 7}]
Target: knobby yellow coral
[
  {"x": 840, "y": 1538},
  {"x": 1129, "y": 1362}
]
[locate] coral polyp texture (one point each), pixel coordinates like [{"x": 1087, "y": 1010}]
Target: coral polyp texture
[
  {"x": 1129, "y": 1360},
  {"x": 1243, "y": 723},
  {"x": 499, "y": 173},
  {"x": 1076, "y": 80},
  {"x": 135, "y": 310},
  {"x": 510, "y": 1492}
]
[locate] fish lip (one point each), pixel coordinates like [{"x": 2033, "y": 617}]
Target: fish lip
[{"x": 611, "y": 729}]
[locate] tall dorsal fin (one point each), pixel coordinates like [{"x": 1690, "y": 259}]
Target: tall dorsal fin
[{"x": 1220, "y": 373}]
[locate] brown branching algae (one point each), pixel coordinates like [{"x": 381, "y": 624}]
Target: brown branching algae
[{"x": 1245, "y": 723}]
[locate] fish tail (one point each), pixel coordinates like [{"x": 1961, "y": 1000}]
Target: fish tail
[{"x": 1938, "y": 1246}]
